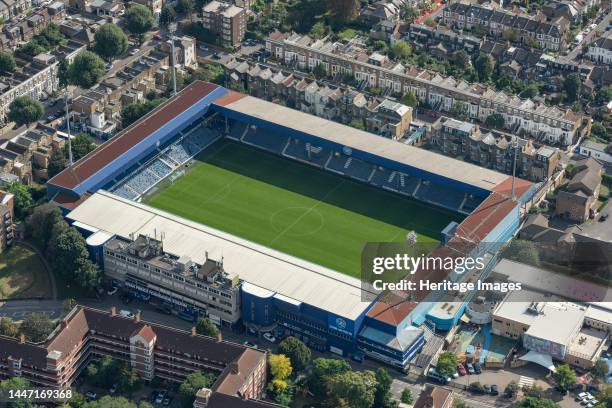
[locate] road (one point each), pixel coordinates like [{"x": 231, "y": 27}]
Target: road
[{"x": 601, "y": 28}]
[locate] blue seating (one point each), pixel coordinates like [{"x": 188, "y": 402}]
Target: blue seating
[
  {"x": 300, "y": 150},
  {"x": 444, "y": 196},
  {"x": 272, "y": 142}
]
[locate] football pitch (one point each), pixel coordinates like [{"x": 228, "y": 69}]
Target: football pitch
[{"x": 293, "y": 207}]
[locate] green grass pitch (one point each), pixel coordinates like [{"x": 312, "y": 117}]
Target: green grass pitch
[{"x": 294, "y": 208}]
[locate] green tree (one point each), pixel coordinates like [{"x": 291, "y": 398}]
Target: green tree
[
  {"x": 381, "y": 46},
  {"x": 459, "y": 111},
  {"x": 323, "y": 369},
  {"x": 110, "y": 41},
  {"x": 343, "y": 10},
  {"x": 462, "y": 60},
  {"x": 206, "y": 327},
  {"x": 25, "y": 110},
  {"x": 401, "y": 50},
  {"x": 604, "y": 95},
  {"x": 459, "y": 403},
  {"x": 318, "y": 30},
  {"x": 190, "y": 386},
  {"x": 532, "y": 402},
  {"x": 111, "y": 402},
  {"x": 447, "y": 364},
  {"x": 86, "y": 70},
  {"x": 521, "y": 250},
  {"x": 16, "y": 383},
  {"x": 382, "y": 396},
  {"x": 495, "y": 120},
  {"x": 565, "y": 376},
  {"x": 409, "y": 13},
  {"x": 532, "y": 90},
  {"x": 128, "y": 380},
  {"x": 297, "y": 351},
  {"x": 407, "y": 397},
  {"x": 63, "y": 73},
  {"x": 139, "y": 19},
  {"x": 357, "y": 124},
  {"x": 22, "y": 198},
  {"x": 40, "y": 224},
  {"x": 605, "y": 398},
  {"x": 7, "y": 62},
  {"x": 600, "y": 370},
  {"x": 409, "y": 99},
  {"x": 57, "y": 162},
  {"x": 599, "y": 130},
  {"x": 572, "y": 86},
  {"x": 484, "y": 68},
  {"x": 186, "y": 7},
  {"x": 167, "y": 15},
  {"x": 36, "y": 327},
  {"x": 81, "y": 145},
  {"x": 211, "y": 73},
  {"x": 134, "y": 111},
  {"x": 511, "y": 390},
  {"x": 70, "y": 259},
  {"x": 8, "y": 327},
  {"x": 355, "y": 389}
]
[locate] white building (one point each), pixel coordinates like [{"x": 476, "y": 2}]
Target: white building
[
  {"x": 596, "y": 150},
  {"x": 600, "y": 51}
]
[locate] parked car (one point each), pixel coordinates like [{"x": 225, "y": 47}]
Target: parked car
[
  {"x": 461, "y": 369},
  {"x": 112, "y": 291},
  {"x": 494, "y": 390},
  {"x": 268, "y": 336},
  {"x": 433, "y": 375},
  {"x": 358, "y": 356},
  {"x": 113, "y": 389},
  {"x": 470, "y": 368},
  {"x": 135, "y": 51},
  {"x": 477, "y": 368},
  {"x": 603, "y": 217},
  {"x": 166, "y": 402},
  {"x": 91, "y": 396},
  {"x": 487, "y": 388},
  {"x": 126, "y": 313}
]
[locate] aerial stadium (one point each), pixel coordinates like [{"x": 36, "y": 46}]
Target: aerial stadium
[{"x": 284, "y": 202}]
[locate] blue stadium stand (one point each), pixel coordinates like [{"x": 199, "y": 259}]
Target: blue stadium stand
[
  {"x": 306, "y": 153},
  {"x": 444, "y": 197},
  {"x": 265, "y": 140}
]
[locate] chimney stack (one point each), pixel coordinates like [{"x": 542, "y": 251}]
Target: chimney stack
[
  {"x": 234, "y": 367},
  {"x": 114, "y": 311},
  {"x": 193, "y": 331},
  {"x": 21, "y": 338},
  {"x": 137, "y": 316}
]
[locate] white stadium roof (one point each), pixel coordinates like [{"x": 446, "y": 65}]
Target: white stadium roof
[
  {"x": 260, "y": 266},
  {"x": 368, "y": 142}
]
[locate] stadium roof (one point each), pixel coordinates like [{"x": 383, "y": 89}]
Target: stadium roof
[
  {"x": 367, "y": 142},
  {"x": 131, "y": 136},
  {"x": 261, "y": 266}
]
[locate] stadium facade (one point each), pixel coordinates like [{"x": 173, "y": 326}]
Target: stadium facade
[{"x": 278, "y": 292}]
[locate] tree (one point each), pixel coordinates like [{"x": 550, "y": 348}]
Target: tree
[
  {"x": 167, "y": 15},
  {"x": 298, "y": 352},
  {"x": 190, "y": 386},
  {"x": 16, "y": 383},
  {"x": 447, "y": 364},
  {"x": 318, "y": 30},
  {"x": 534, "y": 391},
  {"x": 459, "y": 403},
  {"x": 531, "y": 90},
  {"x": 409, "y": 99},
  {"x": 495, "y": 120},
  {"x": 343, "y": 10},
  {"x": 604, "y": 95},
  {"x": 25, "y": 110},
  {"x": 511, "y": 390},
  {"x": 40, "y": 224},
  {"x": 280, "y": 366},
  {"x": 565, "y": 377},
  {"x": 111, "y": 402},
  {"x": 382, "y": 396},
  {"x": 409, "y": 13},
  {"x": 70, "y": 259},
  {"x": 7, "y": 62},
  {"x": 186, "y": 7},
  {"x": 532, "y": 402},
  {"x": 599, "y": 130},
  {"x": 36, "y": 327},
  {"x": 572, "y": 86},
  {"x": 605, "y": 398},
  {"x": 81, "y": 145},
  {"x": 8, "y": 327},
  {"x": 357, "y": 124},
  {"x": 139, "y": 19},
  {"x": 484, "y": 68},
  {"x": 459, "y": 111},
  {"x": 462, "y": 60},
  {"x": 134, "y": 111},
  {"x": 323, "y": 369},
  {"x": 407, "y": 397},
  {"x": 22, "y": 198},
  {"x": 521, "y": 250},
  {"x": 63, "y": 73},
  {"x": 401, "y": 50},
  {"x": 600, "y": 370},
  {"x": 57, "y": 162},
  {"x": 206, "y": 327},
  {"x": 86, "y": 70},
  {"x": 110, "y": 41},
  {"x": 355, "y": 389},
  {"x": 211, "y": 73}
]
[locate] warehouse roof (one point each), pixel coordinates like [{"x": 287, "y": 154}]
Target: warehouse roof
[
  {"x": 367, "y": 142},
  {"x": 261, "y": 266}
]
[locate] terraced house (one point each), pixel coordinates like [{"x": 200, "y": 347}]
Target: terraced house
[
  {"x": 549, "y": 35},
  {"x": 547, "y": 124}
]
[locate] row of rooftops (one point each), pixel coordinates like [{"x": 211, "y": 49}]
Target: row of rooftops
[
  {"x": 352, "y": 51},
  {"x": 489, "y": 16}
]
